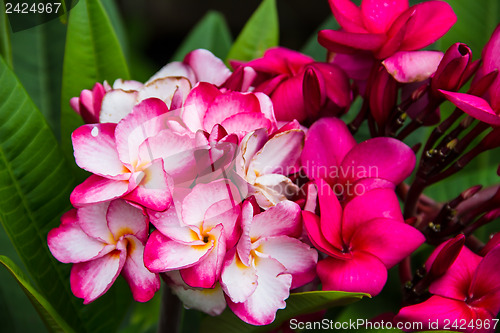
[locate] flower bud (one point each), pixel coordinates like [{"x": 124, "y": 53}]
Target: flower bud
[{"x": 453, "y": 69}]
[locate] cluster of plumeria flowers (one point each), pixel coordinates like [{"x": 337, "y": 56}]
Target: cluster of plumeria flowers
[{"x": 237, "y": 187}]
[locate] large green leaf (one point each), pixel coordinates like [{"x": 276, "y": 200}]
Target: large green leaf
[
  {"x": 35, "y": 183},
  {"x": 49, "y": 315},
  {"x": 93, "y": 54},
  {"x": 211, "y": 33},
  {"x": 37, "y": 57},
  {"x": 259, "y": 33},
  {"x": 475, "y": 23},
  {"x": 5, "y": 48},
  {"x": 297, "y": 304}
]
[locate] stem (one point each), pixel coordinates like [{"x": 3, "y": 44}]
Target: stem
[
  {"x": 170, "y": 312},
  {"x": 441, "y": 129},
  {"x": 413, "y": 196},
  {"x": 404, "y": 268},
  {"x": 360, "y": 117}
]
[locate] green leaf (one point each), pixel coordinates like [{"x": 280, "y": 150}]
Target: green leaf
[
  {"x": 474, "y": 26},
  {"x": 5, "y": 48},
  {"x": 211, "y": 33},
  {"x": 297, "y": 304},
  {"x": 38, "y": 57},
  {"x": 93, "y": 54},
  {"x": 259, "y": 33},
  {"x": 49, "y": 315},
  {"x": 312, "y": 47}
]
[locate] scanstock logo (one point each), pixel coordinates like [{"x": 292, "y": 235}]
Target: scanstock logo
[{"x": 26, "y": 14}]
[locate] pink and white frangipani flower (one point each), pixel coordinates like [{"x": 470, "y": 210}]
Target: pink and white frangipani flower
[
  {"x": 263, "y": 164},
  {"x": 363, "y": 239},
  {"x": 208, "y": 300},
  {"x": 384, "y": 27},
  {"x": 299, "y": 87},
  {"x": 413, "y": 66},
  {"x": 331, "y": 153},
  {"x": 102, "y": 241},
  {"x": 239, "y": 113},
  {"x": 194, "y": 234},
  {"x": 486, "y": 108},
  {"x": 171, "y": 84},
  {"x": 138, "y": 159},
  {"x": 267, "y": 262},
  {"x": 468, "y": 292}
]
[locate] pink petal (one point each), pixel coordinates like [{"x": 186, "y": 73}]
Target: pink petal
[
  {"x": 69, "y": 244},
  {"x": 327, "y": 142},
  {"x": 125, "y": 219},
  {"x": 168, "y": 224},
  {"x": 341, "y": 41},
  {"x": 456, "y": 281},
  {"x": 279, "y": 155},
  {"x": 165, "y": 89},
  {"x": 388, "y": 240},
  {"x": 375, "y": 204},
  {"x": 197, "y": 103},
  {"x": 282, "y": 219},
  {"x": 331, "y": 214},
  {"x": 273, "y": 287},
  {"x": 164, "y": 254},
  {"x": 298, "y": 258},
  {"x": 238, "y": 280},
  {"x": 441, "y": 310},
  {"x": 137, "y": 126},
  {"x": 95, "y": 149},
  {"x": 429, "y": 21},
  {"x": 413, "y": 66},
  {"x": 385, "y": 158},
  {"x": 378, "y": 15},
  {"x": 288, "y": 100},
  {"x": 203, "y": 196},
  {"x": 474, "y": 106},
  {"x": 90, "y": 280},
  {"x": 245, "y": 122},
  {"x": 92, "y": 220},
  {"x": 116, "y": 105},
  {"x": 312, "y": 225},
  {"x": 207, "y": 271},
  {"x": 210, "y": 301},
  {"x": 226, "y": 214},
  {"x": 280, "y": 60},
  {"x": 207, "y": 67},
  {"x": 154, "y": 190},
  {"x": 97, "y": 189},
  {"x": 363, "y": 273},
  {"x": 337, "y": 86},
  {"x": 227, "y": 105},
  {"x": 348, "y": 15},
  {"x": 142, "y": 282},
  {"x": 357, "y": 65},
  {"x": 485, "y": 286}
]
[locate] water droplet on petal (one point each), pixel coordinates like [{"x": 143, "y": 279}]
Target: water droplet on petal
[{"x": 95, "y": 131}]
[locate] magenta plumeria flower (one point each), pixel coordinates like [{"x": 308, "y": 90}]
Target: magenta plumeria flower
[
  {"x": 331, "y": 153},
  {"x": 468, "y": 292},
  {"x": 264, "y": 163},
  {"x": 171, "y": 84},
  {"x": 103, "y": 241},
  {"x": 239, "y": 113},
  {"x": 138, "y": 159},
  {"x": 363, "y": 239},
  {"x": 267, "y": 262},
  {"x": 486, "y": 107},
  {"x": 299, "y": 87},
  {"x": 384, "y": 27},
  {"x": 194, "y": 235}
]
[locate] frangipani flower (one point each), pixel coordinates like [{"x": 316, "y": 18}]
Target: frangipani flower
[
  {"x": 384, "y": 27},
  {"x": 299, "y": 87},
  {"x": 102, "y": 241},
  {"x": 264, "y": 163},
  {"x": 171, "y": 84},
  {"x": 237, "y": 112},
  {"x": 194, "y": 235},
  {"x": 331, "y": 153},
  {"x": 139, "y": 159},
  {"x": 468, "y": 292},
  {"x": 363, "y": 239},
  {"x": 486, "y": 108},
  {"x": 267, "y": 262}
]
